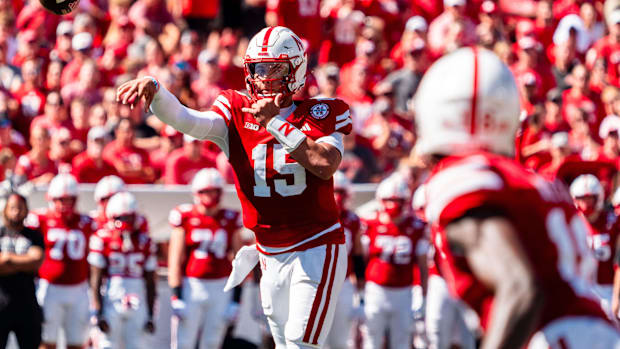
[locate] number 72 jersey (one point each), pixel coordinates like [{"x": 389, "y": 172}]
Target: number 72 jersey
[{"x": 283, "y": 203}]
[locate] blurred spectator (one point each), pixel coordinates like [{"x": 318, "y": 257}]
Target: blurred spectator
[
  {"x": 607, "y": 48},
  {"x": 183, "y": 163},
  {"x": 208, "y": 86},
  {"x": 82, "y": 45},
  {"x": 594, "y": 28},
  {"x": 415, "y": 30},
  {"x": 62, "y": 49},
  {"x": 491, "y": 29},
  {"x": 21, "y": 255},
  {"x": 132, "y": 163},
  {"x": 328, "y": 78},
  {"x": 149, "y": 16},
  {"x": 451, "y": 27},
  {"x": 52, "y": 78},
  {"x": 79, "y": 111},
  {"x": 581, "y": 137},
  {"x": 10, "y": 77},
  {"x": 343, "y": 23},
  {"x": 189, "y": 48},
  {"x": 578, "y": 95},
  {"x": 233, "y": 75},
  {"x": 155, "y": 61},
  {"x": 302, "y": 17},
  {"x": 564, "y": 62},
  {"x": 200, "y": 15},
  {"x": 356, "y": 95},
  {"x": 609, "y": 132},
  {"x": 36, "y": 165},
  {"x": 55, "y": 116},
  {"x": 560, "y": 151},
  {"x": 6, "y": 138},
  {"x": 7, "y": 35},
  {"x": 170, "y": 140},
  {"x": 403, "y": 83},
  {"x": 60, "y": 150},
  {"x": 571, "y": 30},
  {"x": 86, "y": 86},
  {"x": 553, "y": 119},
  {"x": 90, "y": 166},
  {"x": 29, "y": 96},
  {"x": 7, "y": 163}
]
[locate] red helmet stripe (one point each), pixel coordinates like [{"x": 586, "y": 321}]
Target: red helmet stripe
[
  {"x": 474, "y": 94},
  {"x": 266, "y": 39}
]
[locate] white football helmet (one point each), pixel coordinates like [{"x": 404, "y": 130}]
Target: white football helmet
[
  {"x": 393, "y": 187},
  {"x": 615, "y": 199},
  {"x": 341, "y": 182},
  {"x": 207, "y": 178},
  {"x": 468, "y": 100},
  {"x": 121, "y": 204},
  {"x": 271, "y": 46},
  {"x": 108, "y": 186},
  {"x": 62, "y": 186},
  {"x": 588, "y": 184},
  {"x": 419, "y": 199}
]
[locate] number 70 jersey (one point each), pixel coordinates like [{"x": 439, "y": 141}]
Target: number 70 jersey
[{"x": 283, "y": 203}]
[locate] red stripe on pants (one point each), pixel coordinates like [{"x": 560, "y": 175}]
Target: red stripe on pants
[
  {"x": 328, "y": 295},
  {"x": 319, "y": 294}
]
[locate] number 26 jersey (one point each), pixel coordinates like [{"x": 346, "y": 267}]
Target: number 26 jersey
[{"x": 285, "y": 205}]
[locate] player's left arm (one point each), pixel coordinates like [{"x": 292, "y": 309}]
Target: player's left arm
[
  {"x": 496, "y": 258},
  {"x": 422, "y": 248},
  {"x": 149, "y": 278}
]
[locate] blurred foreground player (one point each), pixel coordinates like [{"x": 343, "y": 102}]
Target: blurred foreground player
[
  {"x": 603, "y": 232},
  {"x": 515, "y": 246},
  {"x": 201, "y": 246},
  {"x": 124, "y": 254},
  {"x": 396, "y": 244},
  {"x": 283, "y": 155},
  {"x": 342, "y": 333},
  {"x": 63, "y": 289}
]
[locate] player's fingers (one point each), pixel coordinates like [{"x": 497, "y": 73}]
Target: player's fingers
[
  {"x": 279, "y": 99},
  {"x": 249, "y": 110},
  {"x": 129, "y": 93},
  {"x": 122, "y": 90}
]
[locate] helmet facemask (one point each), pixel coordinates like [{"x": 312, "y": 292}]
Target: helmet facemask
[{"x": 266, "y": 78}]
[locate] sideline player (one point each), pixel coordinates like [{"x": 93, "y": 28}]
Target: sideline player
[
  {"x": 341, "y": 335},
  {"x": 515, "y": 245},
  {"x": 283, "y": 155},
  {"x": 125, "y": 254},
  {"x": 603, "y": 232},
  {"x": 396, "y": 242},
  {"x": 105, "y": 188},
  {"x": 63, "y": 290},
  {"x": 203, "y": 239}
]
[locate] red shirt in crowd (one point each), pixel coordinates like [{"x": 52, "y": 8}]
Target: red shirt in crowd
[
  {"x": 180, "y": 169},
  {"x": 302, "y": 17},
  {"x": 86, "y": 170},
  {"x": 609, "y": 51},
  {"x": 29, "y": 167},
  {"x": 131, "y": 158}
]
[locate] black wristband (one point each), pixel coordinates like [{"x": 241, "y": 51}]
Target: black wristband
[
  {"x": 177, "y": 292},
  {"x": 359, "y": 266}
]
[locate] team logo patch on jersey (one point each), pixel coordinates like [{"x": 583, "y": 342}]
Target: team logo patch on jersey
[{"x": 319, "y": 111}]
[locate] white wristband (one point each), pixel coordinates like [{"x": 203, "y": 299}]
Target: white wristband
[{"x": 285, "y": 133}]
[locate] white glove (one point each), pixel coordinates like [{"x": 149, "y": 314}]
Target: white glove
[
  {"x": 232, "y": 312},
  {"x": 178, "y": 308}
]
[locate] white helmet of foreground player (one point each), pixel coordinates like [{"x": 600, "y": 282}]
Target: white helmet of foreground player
[
  {"x": 108, "y": 186},
  {"x": 393, "y": 193},
  {"x": 342, "y": 189},
  {"x": 207, "y": 187},
  {"x": 122, "y": 209},
  {"x": 468, "y": 100},
  {"x": 62, "y": 193},
  {"x": 275, "y": 58},
  {"x": 588, "y": 194}
]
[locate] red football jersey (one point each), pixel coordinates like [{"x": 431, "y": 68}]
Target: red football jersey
[
  {"x": 551, "y": 232},
  {"x": 351, "y": 224},
  {"x": 66, "y": 242},
  {"x": 392, "y": 249},
  {"x": 125, "y": 255},
  {"x": 283, "y": 203},
  {"x": 602, "y": 239},
  {"x": 207, "y": 240}
]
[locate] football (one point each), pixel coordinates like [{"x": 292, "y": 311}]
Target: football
[{"x": 60, "y": 7}]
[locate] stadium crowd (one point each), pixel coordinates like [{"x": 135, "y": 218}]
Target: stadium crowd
[
  {"x": 58, "y": 75},
  {"x": 59, "y": 115}
]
